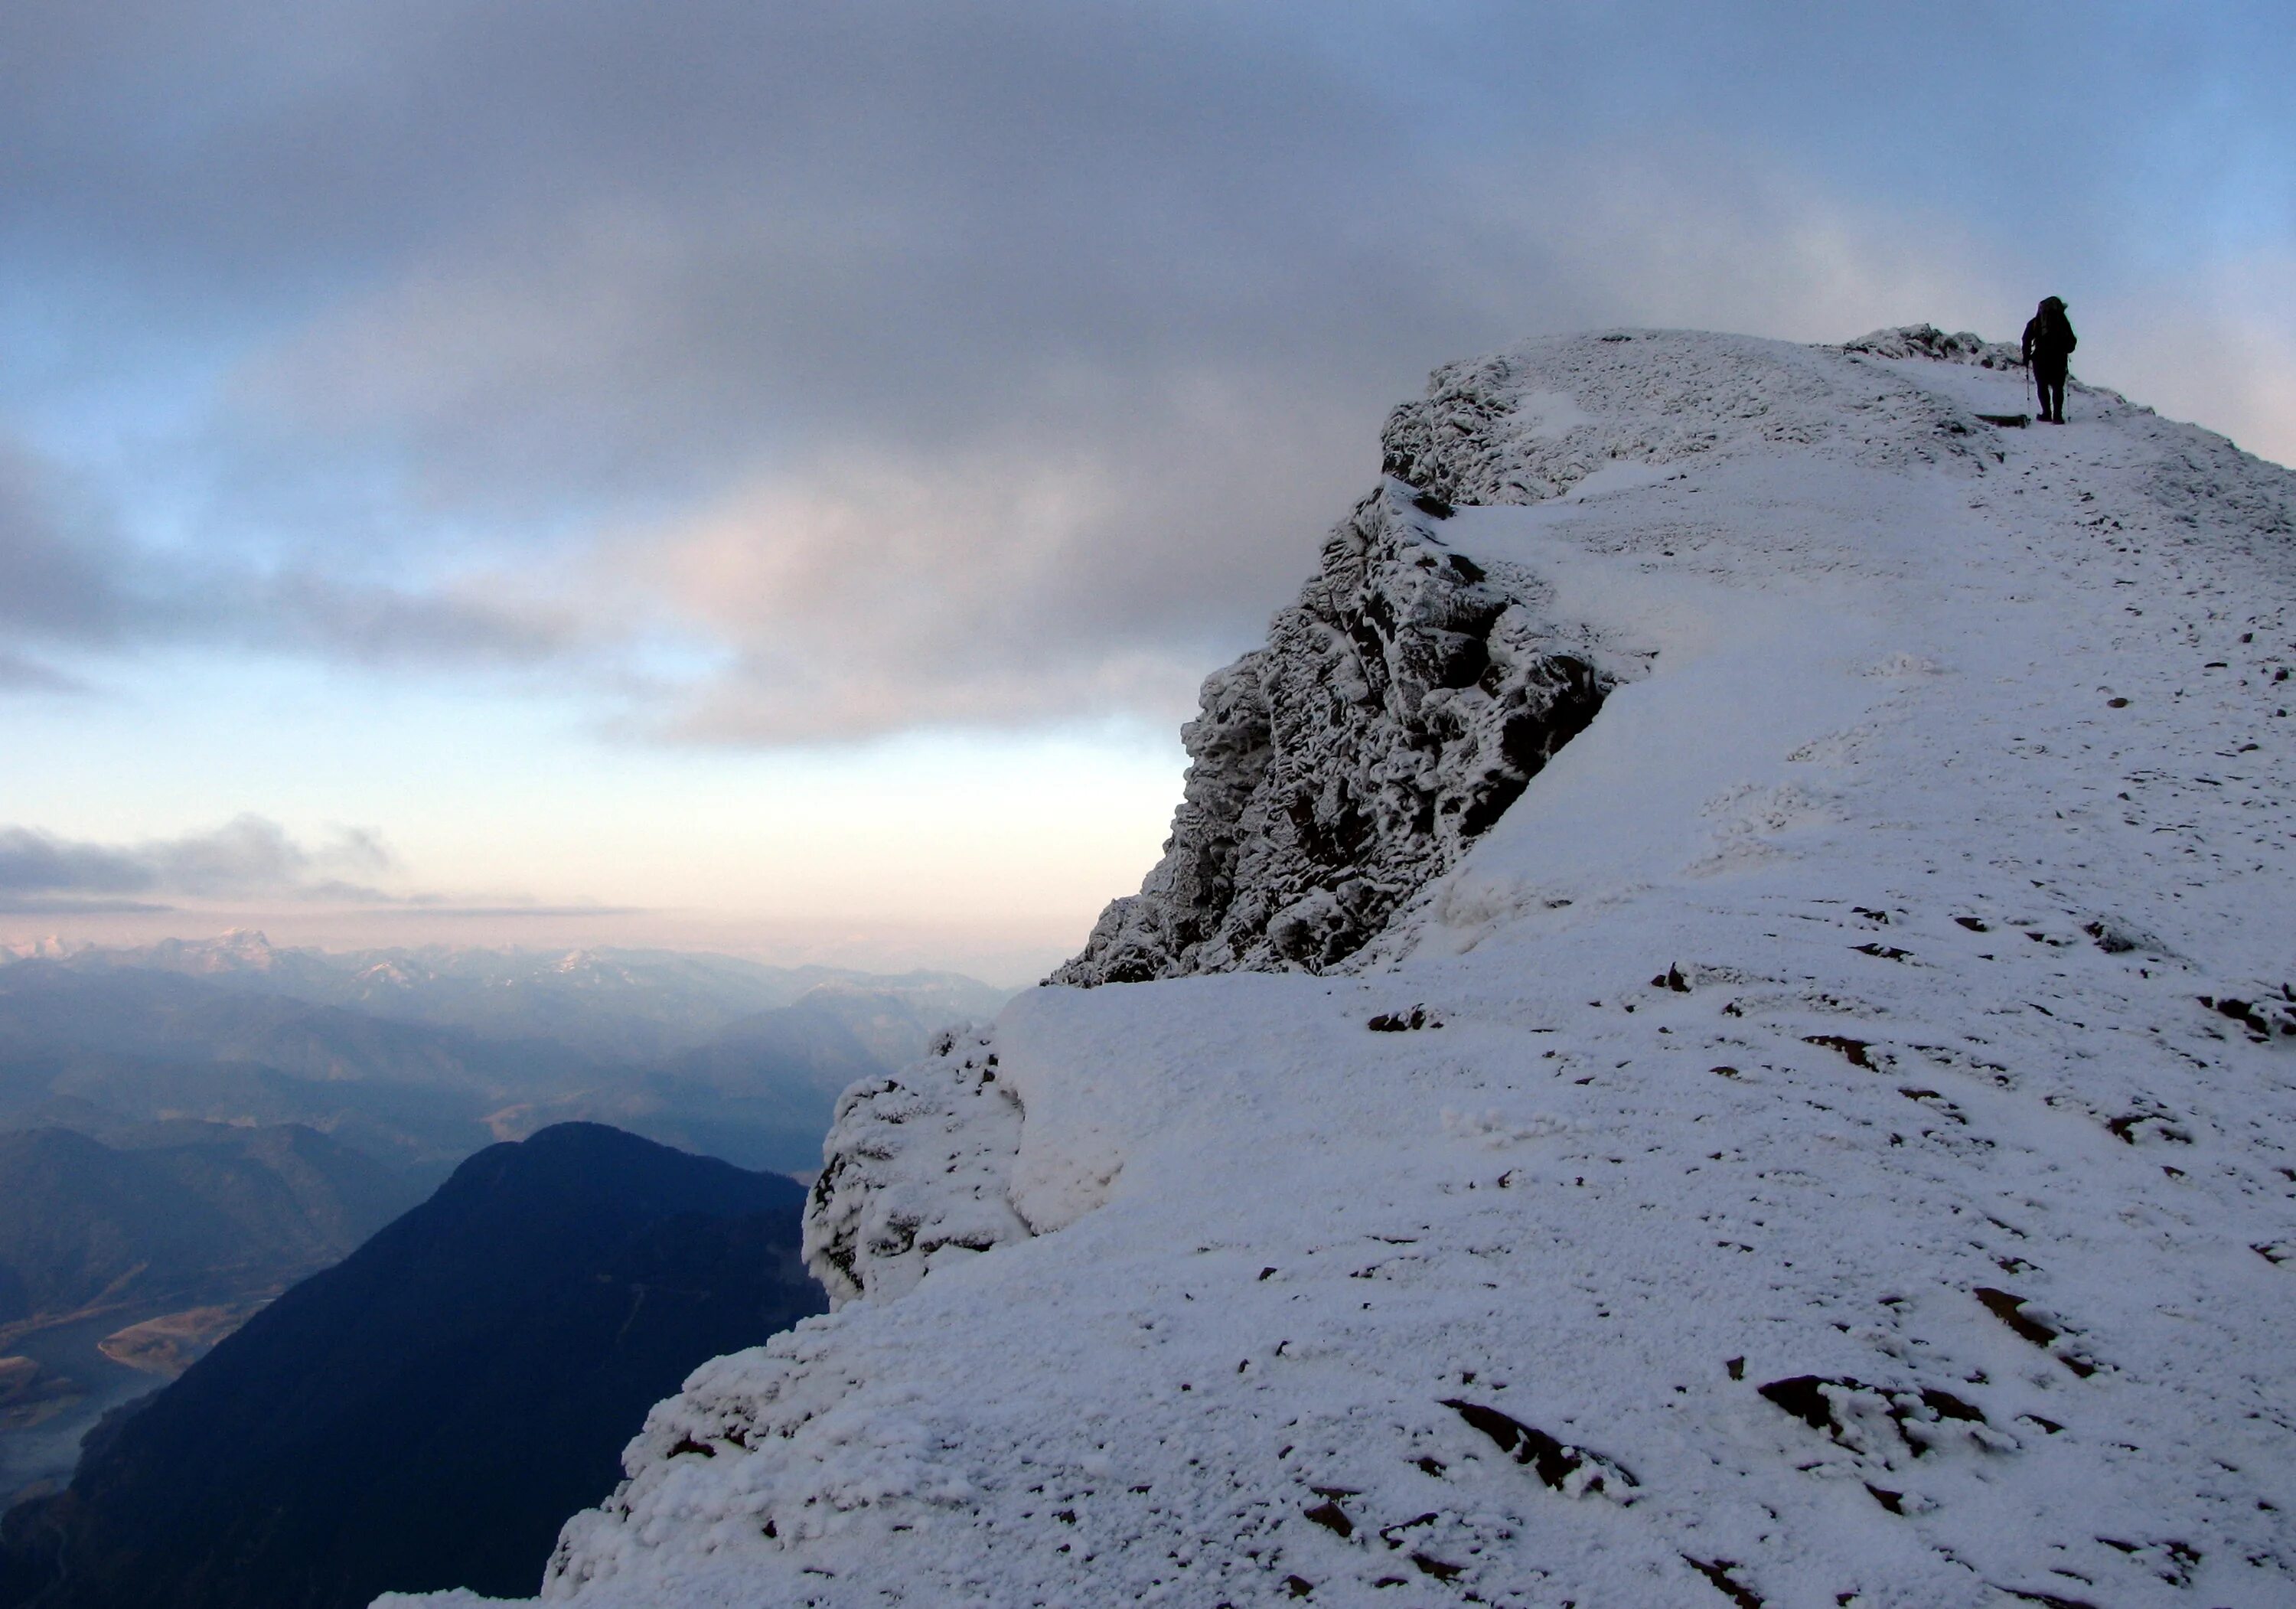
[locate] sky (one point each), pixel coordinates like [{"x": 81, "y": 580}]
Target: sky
[{"x": 770, "y": 478}]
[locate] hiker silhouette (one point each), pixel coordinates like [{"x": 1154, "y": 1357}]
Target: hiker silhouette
[{"x": 2049, "y": 343}]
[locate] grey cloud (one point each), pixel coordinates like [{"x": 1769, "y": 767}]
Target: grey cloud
[
  {"x": 900, "y": 222},
  {"x": 46, "y": 905},
  {"x": 417, "y": 908},
  {"x": 59, "y": 567},
  {"x": 248, "y": 856},
  {"x": 71, "y": 578},
  {"x": 22, "y": 674},
  {"x": 910, "y": 364},
  {"x": 401, "y": 625},
  {"x": 34, "y": 862}
]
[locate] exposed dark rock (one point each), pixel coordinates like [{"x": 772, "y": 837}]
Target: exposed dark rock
[
  {"x": 2048, "y": 1600},
  {"x": 1571, "y": 1470},
  {"x": 1853, "y": 1050},
  {"x": 1717, "y": 1571},
  {"x": 1400, "y": 707},
  {"x": 1398, "y": 1533},
  {"x": 2252, "y": 1015},
  {"x": 2018, "y": 1314},
  {"x": 1861, "y": 1417},
  {"x": 1927, "y": 341},
  {"x": 2149, "y": 1121}
]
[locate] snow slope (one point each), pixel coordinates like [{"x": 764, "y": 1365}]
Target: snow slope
[{"x": 1829, "y": 1143}]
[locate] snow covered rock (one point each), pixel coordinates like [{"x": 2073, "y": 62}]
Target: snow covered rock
[
  {"x": 1927, "y": 341},
  {"x": 1831, "y": 1141},
  {"x": 1400, "y": 707},
  {"x": 919, "y": 1166}
]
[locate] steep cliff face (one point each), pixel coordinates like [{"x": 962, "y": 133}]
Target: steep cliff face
[
  {"x": 1412, "y": 691},
  {"x": 1399, "y": 708},
  {"x": 1827, "y": 1141}
]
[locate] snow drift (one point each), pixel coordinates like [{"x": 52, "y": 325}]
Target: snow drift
[{"x": 1825, "y": 1138}]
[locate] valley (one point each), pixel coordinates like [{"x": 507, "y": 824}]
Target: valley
[{"x": 187, "y": 1128}]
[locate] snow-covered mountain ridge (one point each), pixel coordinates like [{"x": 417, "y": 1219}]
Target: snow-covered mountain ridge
[{"x": 1828, "y": 1142}]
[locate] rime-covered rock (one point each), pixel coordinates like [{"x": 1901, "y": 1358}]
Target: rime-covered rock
[
  {"x": 917, "y": 1165},
  {"x": 1399, "y": 708},
  {"x": 1927, "y": 341}
]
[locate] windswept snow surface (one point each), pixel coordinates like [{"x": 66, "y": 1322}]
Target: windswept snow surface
[{"x": 1844, "y": 1157}]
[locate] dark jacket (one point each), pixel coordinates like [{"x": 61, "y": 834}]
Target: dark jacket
[{"x": 2049, "y": 338}]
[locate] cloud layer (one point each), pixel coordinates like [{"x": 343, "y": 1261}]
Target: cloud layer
[
  {"x": 248, "y": 860},
  {"x": 247, "y": 857},
  {"x": 770, "y": 374}
]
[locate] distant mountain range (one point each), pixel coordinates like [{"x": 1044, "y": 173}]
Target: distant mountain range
[
  {"x": 611, "y": 1005},
  {"x": 181, "y": 1213},
  {"x": 185, "y": 1128},
  {"x": 428, "y": 1412},
  {"x": 419, "y": 1056}
]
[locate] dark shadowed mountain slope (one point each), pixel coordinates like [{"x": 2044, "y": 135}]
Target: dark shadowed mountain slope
[{"x": 426, "y": 1412}]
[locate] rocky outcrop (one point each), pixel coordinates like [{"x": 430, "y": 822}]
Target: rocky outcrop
[
  {"x": 1927, "y": 341},
  {"x": 917, "y": 1168},
  {"x": 1399, "y": 708},
  {"x": 1410, "y": 694}
]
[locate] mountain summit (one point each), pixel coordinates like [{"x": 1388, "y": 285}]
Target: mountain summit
[{"x": 1716, "y": 1027}]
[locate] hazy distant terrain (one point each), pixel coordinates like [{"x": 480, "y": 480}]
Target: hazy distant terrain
[
  {"x": 418, "y": 1057},
  {"x": 177, "y": 1230},
  {"x": 613, "y": 1004},
  {"x": 427, "y": 1412},
  {"x": 193, "y": 1210},
  {"x": 194, "y": 1125}
]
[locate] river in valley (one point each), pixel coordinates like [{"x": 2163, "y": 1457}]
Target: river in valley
[{"x": 47, "y": 1451}]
